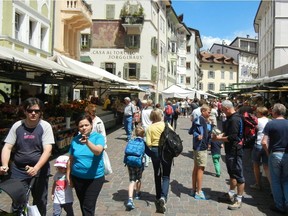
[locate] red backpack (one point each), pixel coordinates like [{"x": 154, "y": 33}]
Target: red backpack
[
  {"x": 250, "y": 129},
  {"x": 168, "y": 110}
]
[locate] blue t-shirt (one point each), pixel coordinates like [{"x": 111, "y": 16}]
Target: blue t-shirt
[
  {"x": 87, "y": 165},
  {"x": 277, "y": 131}
]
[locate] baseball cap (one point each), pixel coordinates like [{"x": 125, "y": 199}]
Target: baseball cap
[{"x": 61, "y": 161}]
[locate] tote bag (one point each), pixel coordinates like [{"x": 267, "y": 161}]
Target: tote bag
[{"x": 107, "y": 164}]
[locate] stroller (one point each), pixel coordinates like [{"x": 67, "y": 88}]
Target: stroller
[{"x": 15, "y": 188}]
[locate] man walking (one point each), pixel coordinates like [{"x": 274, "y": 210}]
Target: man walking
[
  {"x": 232, "y": 138},
  {"x": 128, "y": 117}
]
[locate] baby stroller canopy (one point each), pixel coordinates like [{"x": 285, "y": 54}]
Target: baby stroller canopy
[{"x": 15, "y": 189}]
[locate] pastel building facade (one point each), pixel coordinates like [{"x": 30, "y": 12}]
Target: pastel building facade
[{"x": 219, "y": 72}]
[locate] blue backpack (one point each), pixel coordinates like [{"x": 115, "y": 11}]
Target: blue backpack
[{"x": 134, "y": 152}]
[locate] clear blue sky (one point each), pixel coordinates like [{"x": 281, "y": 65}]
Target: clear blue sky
[{"x": 218, "y": 20}]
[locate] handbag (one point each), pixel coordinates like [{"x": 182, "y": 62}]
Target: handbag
[
  {"x": 107, "y": 164},
  {"x": 33, "y": 210}
]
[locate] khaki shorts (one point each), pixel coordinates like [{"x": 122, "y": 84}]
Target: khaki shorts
[{"x": 200, "y": 158}]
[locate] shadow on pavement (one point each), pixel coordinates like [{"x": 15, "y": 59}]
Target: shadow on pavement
[{"x": 178, "y": 188}]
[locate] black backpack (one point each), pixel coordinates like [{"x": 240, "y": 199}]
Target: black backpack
[{"x": 170, "y": 144}]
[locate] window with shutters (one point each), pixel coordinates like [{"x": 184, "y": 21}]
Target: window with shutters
[
  {"x": 44, "y": 38},
  {"x": 110, "y": 67},
  {"x": 173, "y": 47},
  {"x": 110, "y": 11},
  {"x": 222, "y": 86},
  {"x": 231, "y": 75},
  {"x": 211, "y": 86},
  {"x": 32, "y": 26},
  {"x": 200, "y": 86},
  {"x": 153, "y": 73},
  {"x": 132, "y": 41},
  {"x": 211, "y": 75},
  {"x": 131, "y": 71},
  {"x": 17, "y": 25},
  {"x": 154, "y": 45},
  {"x": 85, "y": 41},
  {"x": 222, "y": 74}
]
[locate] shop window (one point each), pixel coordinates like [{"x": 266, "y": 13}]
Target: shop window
[
  {"x": 132, "y": 41},
  {"x": 110, "y": 11},
  {"x": 131, "y": 71}
]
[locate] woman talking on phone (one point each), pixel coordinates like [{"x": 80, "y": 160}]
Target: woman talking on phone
[{"x": 86, "y": 168}]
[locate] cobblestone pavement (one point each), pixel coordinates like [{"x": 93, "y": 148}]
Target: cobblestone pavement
[{"x": 114, "y": 192}]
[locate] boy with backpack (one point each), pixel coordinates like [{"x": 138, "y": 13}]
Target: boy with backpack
[{"x": 134, "y": 160}]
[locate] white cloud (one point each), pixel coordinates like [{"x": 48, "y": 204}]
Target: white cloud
[{"x": 208, "y": 41}]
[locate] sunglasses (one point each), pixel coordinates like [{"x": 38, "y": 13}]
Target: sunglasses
[{"x": 33, "y": 110}]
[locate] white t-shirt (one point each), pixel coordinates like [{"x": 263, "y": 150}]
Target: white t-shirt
[
  {"x": 145, "y": 117},
  {"x": 261, "y": 124},
  {"x": 63, "y": 192}
]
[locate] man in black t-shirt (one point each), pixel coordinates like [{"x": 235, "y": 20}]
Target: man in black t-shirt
[{"x": 232, "y": 138}]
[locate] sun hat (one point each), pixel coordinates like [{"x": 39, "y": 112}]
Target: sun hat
[{"x": 61, "y": 161}]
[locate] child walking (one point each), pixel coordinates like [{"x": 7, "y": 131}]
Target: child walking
[
  {"x": 135, "y": 172},
  {"x": 62, "y": 195}
]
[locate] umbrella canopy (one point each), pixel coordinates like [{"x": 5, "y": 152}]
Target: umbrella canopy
[{"x": 176, "y": 91}]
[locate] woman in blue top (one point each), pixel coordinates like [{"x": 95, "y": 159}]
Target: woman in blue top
[{"x": 86, "y": 168}]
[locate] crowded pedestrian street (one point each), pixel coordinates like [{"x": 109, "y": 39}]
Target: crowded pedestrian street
[{"x": 113, "y": 195}]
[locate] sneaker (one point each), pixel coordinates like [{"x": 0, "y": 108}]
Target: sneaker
[
  {"x": 218, "y": 175},
  {"x": 255, "y": 186},
  {"x": 226, "y": 198},
  {"x": 275, "y": 209},
  {"x": 192, "y": 193},
  {"x": 200, "y": 196},
  {"x": 157, "y": 205},
  {"x": 130, "y": 204},
  {"x": 236, "y": 205},
  {"x": 137, "y": 195},
  {"x": 162, "y": 204}
]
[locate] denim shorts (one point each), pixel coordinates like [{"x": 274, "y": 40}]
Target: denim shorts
[
  {"x": 235, "y": 167},
  {"x": 259, "y": 155}
]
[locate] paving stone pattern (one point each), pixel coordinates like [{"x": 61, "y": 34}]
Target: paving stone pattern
[{"x": 114, "y": 192}]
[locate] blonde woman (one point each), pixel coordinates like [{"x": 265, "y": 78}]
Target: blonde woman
[{"x": 153, "y": 134}]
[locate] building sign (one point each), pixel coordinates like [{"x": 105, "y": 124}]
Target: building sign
[{"x": 118, "y": 54}]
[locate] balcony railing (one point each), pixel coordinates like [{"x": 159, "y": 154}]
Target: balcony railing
[{"x": 132, "y": 20}]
